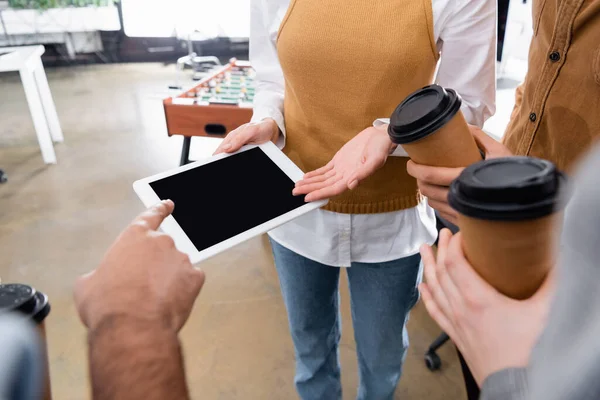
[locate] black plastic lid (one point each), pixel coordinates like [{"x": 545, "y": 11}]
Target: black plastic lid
[
  {"x": 16, "y": 297},
  {"x": 42, "y": 308},
  {"x": 422, "y": 113},
  {"x": 510, "y": 189}
]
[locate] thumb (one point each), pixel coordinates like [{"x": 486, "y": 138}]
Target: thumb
[
  {"x": 537, "y": 307},
  {"x": 196, "y": 279},
  {"x": 484, "y": 141},
  {"x": 490, "y": 146},
  {"x": 546, "y": 291},
  {"x": 246, "y": 135},
  {"x": 79, "y": 293}
]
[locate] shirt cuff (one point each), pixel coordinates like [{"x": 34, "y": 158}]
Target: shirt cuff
[
  {"x": 276, "y": 115},
  {"x": 507, "y": 384},
  {"x": 399, "y": 152}
]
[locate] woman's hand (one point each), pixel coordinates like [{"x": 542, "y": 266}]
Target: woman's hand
[
  {"x": 251, "y": 133},
  {"x": 355, "y": 161},
  {"x": 492, "y": 331}
]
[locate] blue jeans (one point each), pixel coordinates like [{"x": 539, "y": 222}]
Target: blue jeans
[{"x": 382, "y": 295}]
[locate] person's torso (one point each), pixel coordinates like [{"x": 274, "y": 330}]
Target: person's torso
[
  {"x": 559, "y": 117},
  {"x": 347, "y": 63}
]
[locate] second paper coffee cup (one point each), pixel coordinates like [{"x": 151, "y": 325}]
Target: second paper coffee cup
[
  {"x": 431, "y": 128},
  {"x": 509, "y": 216}
]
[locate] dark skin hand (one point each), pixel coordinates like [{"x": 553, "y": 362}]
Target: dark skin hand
[{"x": 134, "y": 305}]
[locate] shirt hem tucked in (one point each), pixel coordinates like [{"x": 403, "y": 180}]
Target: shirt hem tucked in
[
  {"x": 300, "y": 252},
  {"x": 369, "y": 260}
]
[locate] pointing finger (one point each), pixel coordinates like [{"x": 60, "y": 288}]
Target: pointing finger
[{"x": 155, "y": 215}]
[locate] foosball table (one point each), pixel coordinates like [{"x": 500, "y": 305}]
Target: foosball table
[{"x": 220, "y": 103}]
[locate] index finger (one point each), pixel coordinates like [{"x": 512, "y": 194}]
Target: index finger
[
  {"x": 320, "y": 171},
  {"x": 440, "y": 176},
  {"x": 327, "y": 192},
  {"x": 155, "y": 215},
  {"x": 313, "y": 187}
]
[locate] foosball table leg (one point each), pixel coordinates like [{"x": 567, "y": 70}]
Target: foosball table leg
[{"x": 185, "y": 150}]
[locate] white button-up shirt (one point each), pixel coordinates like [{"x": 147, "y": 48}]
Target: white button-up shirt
[{"x": 465, "y": 33}]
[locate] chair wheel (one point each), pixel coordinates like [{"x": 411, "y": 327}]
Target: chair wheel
[
  {"x": 3, "y": 177},
  {"x": 433, "y": 361}
]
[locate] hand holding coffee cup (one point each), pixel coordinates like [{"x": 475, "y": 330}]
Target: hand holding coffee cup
[
  {"x": 509, "y": 216},
  {"x": 429, "y": 125},
  {"x": 434, "y": 182}
]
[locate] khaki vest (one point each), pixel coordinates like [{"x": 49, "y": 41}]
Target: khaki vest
[{"x": 347, "y": 63}]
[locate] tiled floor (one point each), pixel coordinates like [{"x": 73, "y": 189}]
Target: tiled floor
[{"x": 56, "y": 222}]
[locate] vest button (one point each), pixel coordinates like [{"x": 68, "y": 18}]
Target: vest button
[
  {"x": 532, "y": 117},
  {"x": 554, "y": 56}
]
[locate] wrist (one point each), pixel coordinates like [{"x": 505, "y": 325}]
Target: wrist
[
  {"x": 383, "y": 130},
  {"x": 275, "y": 132},
  {"x": 125, "y": 350},
  {"x": 130, "y": 325}
]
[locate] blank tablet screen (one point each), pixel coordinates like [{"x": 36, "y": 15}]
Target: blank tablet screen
[{"x": 219, "y": 200}]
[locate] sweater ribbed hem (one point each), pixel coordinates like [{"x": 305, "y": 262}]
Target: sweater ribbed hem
[{"x": 391, "y": 205}]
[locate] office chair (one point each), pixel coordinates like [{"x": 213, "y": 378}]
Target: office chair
[{"x": 432, "y": 360}]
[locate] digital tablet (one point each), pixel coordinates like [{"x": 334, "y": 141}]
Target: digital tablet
[{"x": 227, "y": 199}]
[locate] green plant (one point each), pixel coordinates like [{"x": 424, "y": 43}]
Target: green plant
[{"x": 46, "y": 4}]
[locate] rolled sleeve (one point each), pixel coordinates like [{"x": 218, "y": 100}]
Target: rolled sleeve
[
  {"x": 265, "y": 17},
  {"x": 468, "y": 59}
]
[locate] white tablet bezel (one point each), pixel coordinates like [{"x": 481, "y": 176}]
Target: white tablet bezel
[{"x": 170, "y": 226}]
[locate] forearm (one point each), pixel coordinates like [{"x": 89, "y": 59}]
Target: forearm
[
  {"x": 132, "y": 359},
  {"x": 508, "y": 384},
  {"x": 269, "y": 81}
]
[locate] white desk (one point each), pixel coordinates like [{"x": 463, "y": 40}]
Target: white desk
[{"x": 27, "y": 60}]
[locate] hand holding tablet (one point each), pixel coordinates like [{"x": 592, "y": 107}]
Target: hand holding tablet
[{"x": 227, "y": 199}]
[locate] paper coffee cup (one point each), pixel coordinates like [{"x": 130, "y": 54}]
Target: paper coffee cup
[
  {"x": 27, "y": 301},
  {"x": 428, "y": 124},
  {"x": 509, "y": 216}
]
